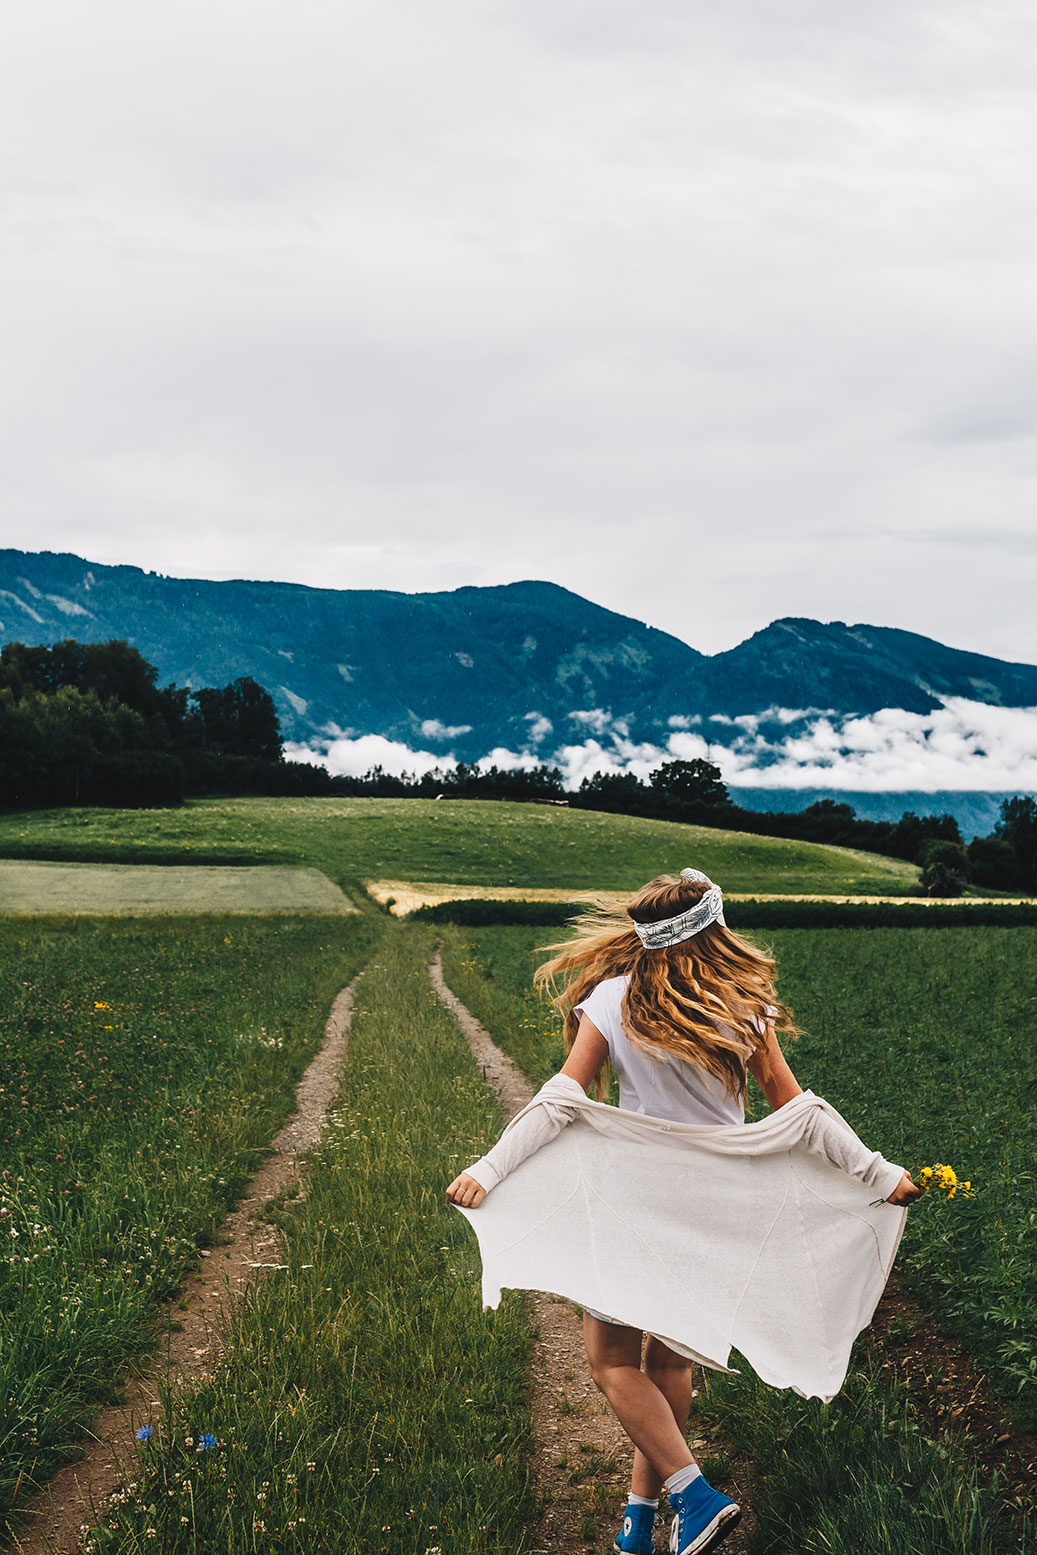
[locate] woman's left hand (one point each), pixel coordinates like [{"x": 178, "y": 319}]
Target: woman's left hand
[
  {"x": 905, "y": 1191},
  {"x": 465, "y": 1190}
]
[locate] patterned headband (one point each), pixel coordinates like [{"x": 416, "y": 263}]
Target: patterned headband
[{"x": 670, "y": 931}]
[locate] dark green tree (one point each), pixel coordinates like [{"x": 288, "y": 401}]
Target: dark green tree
[
  {"x": 688, "y": 785},
  {"x": 114, "y": 670},
  {"x": 993, "y": 863},
  {"x": 239, "y": 720},
  {"x": 619, "y": 792},
  {"x": 945, "y": 868},
  {"x": 1018, "y": 828},
  {"x": 912, "y": 832}
]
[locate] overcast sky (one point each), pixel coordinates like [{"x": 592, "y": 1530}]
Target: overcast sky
[{"x": 712, "y": 313}]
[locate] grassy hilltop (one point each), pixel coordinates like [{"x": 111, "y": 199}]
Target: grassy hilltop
[{"x": 469, "y": 842}]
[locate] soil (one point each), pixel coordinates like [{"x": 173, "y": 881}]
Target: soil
[
  {"x": 581, "y": 1455},
  {"x": 951, "y": 1394},
  {"x": 193, "y": 1326}
]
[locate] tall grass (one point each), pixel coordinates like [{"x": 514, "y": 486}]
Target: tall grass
[
  {"x": 143, "y": 1070},
  {"x": 859, "y": 1474},
  {"x": 365, "y": 1403}
]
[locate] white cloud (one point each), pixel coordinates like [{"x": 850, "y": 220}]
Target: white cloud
[
  {"x": 432, "y": 729},
  {"x": 961, "y": 745},
  {"x": 539, "y": 727},
  {"x": 596, "y": 718},
  {"x": 508, "y": 761},
  {"x": 352, "y": 758}
]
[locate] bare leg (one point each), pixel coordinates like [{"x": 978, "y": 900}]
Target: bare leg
[
  {"x": 642, "y": 1408},
  {"x": 671, "y": 1374}
]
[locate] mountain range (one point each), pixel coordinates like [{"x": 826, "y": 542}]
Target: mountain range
[
  {"x": 522, "y": 668},
  {"x": 485, "y": 663}
]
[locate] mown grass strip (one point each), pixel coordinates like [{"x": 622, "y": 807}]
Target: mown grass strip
[
  {"x": 107, "y": 890},
  {"x": 143, "y": 1070},
  {"x": 365, "y": 1404},
  {"x": 902, "y": 1040}
]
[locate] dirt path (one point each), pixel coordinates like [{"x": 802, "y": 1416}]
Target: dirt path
[
  {"x": 195, "y": 1322},
  {"x": 582, "y": 1457}
]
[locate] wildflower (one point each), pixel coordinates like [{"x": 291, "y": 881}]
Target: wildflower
[
  {"x": 144, "y": 1433},
  {"x": 206, "y": 1440},
  {"x": 945, "y": 1179}
]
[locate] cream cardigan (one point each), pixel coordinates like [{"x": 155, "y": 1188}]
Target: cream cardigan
[{"x": 763, "y": 1237}]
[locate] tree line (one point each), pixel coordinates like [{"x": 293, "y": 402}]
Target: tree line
[{"x": 87, "y": 723}]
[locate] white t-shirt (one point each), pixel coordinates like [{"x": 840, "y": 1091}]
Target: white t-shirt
[{"x": 662, "y": 1086}]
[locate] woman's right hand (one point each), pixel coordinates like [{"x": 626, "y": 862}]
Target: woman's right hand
[
  {"x": 465, "y": 1190},
  {"x": 905, "y": 1191}
]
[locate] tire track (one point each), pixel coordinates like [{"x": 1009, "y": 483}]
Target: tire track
[{"x": 194, "y": 1326}]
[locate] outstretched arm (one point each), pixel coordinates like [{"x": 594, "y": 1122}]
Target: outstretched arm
[
  {"x": 777, "y": 1082},
  {"x": 535, "y": 1127}
]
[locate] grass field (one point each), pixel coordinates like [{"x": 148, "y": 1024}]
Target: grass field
[
  {"x": 365, "y": 1404},
  {"x": 106, "y": 890},
  {"x": 145, "y": 1064},
  {"x": 463, "y": 841},
  {"x": 143, "y": 1071}
]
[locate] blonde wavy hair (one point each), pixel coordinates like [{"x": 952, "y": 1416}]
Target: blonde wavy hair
[{"x": 706, "y": 1000}]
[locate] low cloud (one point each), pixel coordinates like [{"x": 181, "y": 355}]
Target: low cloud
[
  {"x": 961, "y": 745},
  {"x": 596, "y": 718},
  {"x": 539, "y": 727},
  {"x": 432, "y": 729},
  {"x": 352, "y": 758}
]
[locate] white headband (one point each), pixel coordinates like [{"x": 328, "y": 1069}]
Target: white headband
[{"x": 670, "y": 931}]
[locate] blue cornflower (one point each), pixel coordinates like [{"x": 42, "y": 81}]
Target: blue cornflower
[
  {"x": 207, "y": 1439},
  {"x": 144, "y": 1432}
]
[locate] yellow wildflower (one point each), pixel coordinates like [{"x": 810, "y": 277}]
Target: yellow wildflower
[{"x": 945, "y": 1178}]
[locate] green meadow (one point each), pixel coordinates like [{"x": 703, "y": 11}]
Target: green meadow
[
  {"x": 365, "y": 1403},
  {"x": 463, "y": 841},
  {"x": 144, "y": 1068}
]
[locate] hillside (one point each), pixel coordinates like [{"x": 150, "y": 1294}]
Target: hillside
[
  {"x": 524, "y": 666},
  {"x": 359, "y": 840}
]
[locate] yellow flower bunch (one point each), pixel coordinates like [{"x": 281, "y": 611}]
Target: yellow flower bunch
[{"x": 945, "y": 1179}]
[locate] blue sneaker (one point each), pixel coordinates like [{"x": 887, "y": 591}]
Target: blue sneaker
[
  {"x": 635, "y": 1537},
  {"x": 702, "y": 1518}
]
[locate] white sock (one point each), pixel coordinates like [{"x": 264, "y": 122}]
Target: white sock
[
  {"x": 682, "y": 1479},
  {"x": 633, "y": 1500}
]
